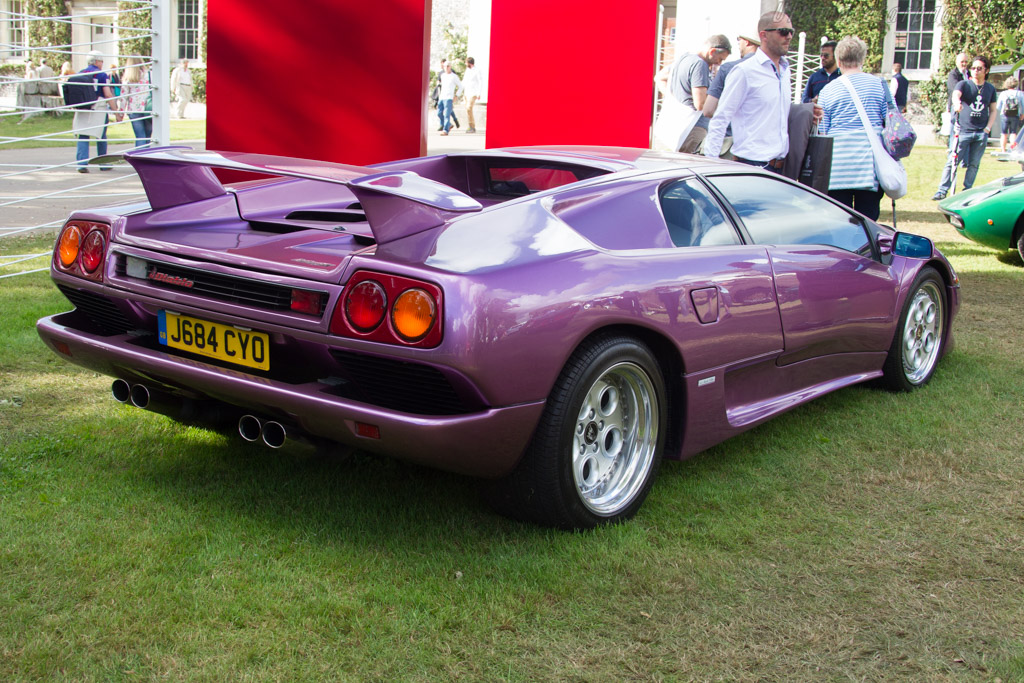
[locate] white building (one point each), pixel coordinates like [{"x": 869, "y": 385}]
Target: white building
[{"x": 93, "y": 28}]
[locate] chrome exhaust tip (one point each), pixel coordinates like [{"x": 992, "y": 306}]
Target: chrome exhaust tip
[
  {"x": 274, "y": 434},
  {"x": 249, "y": 427},
  {"x": 139, "y": 396},
  {"x": 121, "y": 391}
]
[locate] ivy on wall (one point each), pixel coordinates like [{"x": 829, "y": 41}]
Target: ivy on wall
[
  {"x": 48, "y": 33},
  {"x": 977, "y": 27}
]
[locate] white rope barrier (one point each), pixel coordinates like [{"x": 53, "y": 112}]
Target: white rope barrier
[{"x": 25, "y": 272}]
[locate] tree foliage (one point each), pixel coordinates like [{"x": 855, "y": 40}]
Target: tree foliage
[
  {"x": 49, "y": 33},
  {"x": 838, "y": 18},
  {"x": 456, "y": 47},
  {"x": 134, "y": 42}
]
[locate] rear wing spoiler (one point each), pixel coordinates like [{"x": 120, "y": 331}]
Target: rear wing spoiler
[{"x": 396, "y": 203}]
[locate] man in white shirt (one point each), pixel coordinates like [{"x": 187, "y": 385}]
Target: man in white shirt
[
  {"x": 451, "y": 87},
  {"x": 756, "y": 100},
  {"x": 181, "y": 85},
  {"x": 472, "y": 82}
]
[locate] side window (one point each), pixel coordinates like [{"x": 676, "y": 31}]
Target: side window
[
  {"x": 693, "y": 217},
  {"x": 777, "y": 212}
]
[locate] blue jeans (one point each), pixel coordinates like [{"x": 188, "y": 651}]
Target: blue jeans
[
  {"x": 142, "y": 125},
  {"x": 971, "y": 150},
  {"x": 82, "y": 147},
  {"x": 446, "y": 115}
]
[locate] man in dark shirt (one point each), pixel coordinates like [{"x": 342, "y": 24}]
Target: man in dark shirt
[
  {"x": 899, "y": 86},
  {"x": 956, "y": 74},
  {"x": 974, "y": 105},
  {"x": 828, "y": 72}
]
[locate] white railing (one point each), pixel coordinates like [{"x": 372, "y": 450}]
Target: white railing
[{"x": 37, "y": 186}]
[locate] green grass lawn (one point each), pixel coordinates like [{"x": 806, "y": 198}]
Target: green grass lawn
[
  {"x": 864, "y": 536},
  {"x": 60, "y": 127}
]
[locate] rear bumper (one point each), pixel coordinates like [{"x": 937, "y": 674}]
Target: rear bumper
[{"x": 487, "y": 443}]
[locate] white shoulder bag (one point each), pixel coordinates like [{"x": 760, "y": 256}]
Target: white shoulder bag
[
  {"x": 892, "y": 177},
  {"x": 674, "y": 123}
]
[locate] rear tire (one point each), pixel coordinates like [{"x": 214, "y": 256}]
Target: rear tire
[
  {"x": 917, "y": 344},
  {"x": 599, "y": 442}
]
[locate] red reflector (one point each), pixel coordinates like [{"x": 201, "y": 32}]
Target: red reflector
[
  {"x": 61, "y": 347},
  {"x": 367, "y": 430},
  {"x": 306, "y": 302}
]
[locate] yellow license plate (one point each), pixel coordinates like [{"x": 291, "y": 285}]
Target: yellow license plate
[{"x": 214, "y": 340}]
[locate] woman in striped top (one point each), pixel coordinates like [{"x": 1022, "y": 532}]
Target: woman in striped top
[{"x": 853, "y": 180}]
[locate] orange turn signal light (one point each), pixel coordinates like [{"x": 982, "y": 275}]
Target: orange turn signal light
[
  {"x": 413, "y": 314},
  {"x": 68, "y": 245}
]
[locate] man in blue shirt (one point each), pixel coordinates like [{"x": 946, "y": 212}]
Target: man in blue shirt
[
  {"x": 828, "y": 72},
  {"x": 92, "y": 122}
]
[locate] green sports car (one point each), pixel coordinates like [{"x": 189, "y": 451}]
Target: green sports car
[{"x": 992, "y": 214}]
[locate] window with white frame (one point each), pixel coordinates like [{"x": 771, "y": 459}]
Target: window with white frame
[
  {"x": 915, "y": 33},
  {"x": 188, "y": 18},
  {"x": 15, "y": 31}
]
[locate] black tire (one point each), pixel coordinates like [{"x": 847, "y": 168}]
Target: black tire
[
  {"x": 917, "y": 344},
  {"x": 1020, "y": 244},
  {"x": 599, "y": 442}
]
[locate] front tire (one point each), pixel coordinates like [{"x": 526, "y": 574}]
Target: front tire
[
  {"x": 917, "y": 345},
  {"x": 599, "y": 442}
]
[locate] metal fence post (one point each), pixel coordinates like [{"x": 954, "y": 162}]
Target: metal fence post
[
  {"x": 800, "y": 56},
  {"x": 160, "y": 76}
]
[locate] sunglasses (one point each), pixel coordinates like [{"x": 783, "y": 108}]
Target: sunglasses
[{"x": 784, "y": 32}]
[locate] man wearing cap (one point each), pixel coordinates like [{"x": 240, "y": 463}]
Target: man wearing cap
[
  {"x": 748, "y": 46},
  {"x": 688, "y": 81},
  {"x": 756, "y": 100},
  {"x": 828, "y": 72}
]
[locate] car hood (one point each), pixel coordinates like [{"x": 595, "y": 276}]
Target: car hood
[{"x": 977, "y": 195}]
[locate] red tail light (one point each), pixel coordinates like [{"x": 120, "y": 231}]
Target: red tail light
[
  {"x": 390, "y": 309},
  {"x": 93, "y": 247},
  {"x": 81, "y": 249},
  {"x": 365, "y": 305}
]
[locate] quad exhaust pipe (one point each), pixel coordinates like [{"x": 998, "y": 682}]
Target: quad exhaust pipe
[
  {"x": 251, "y": 428},
  {"x": 136, "y": 394},
  {"x": 272, "y": 433}
]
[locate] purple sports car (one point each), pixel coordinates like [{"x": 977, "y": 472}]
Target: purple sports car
[{"x": 553, "y": 320}]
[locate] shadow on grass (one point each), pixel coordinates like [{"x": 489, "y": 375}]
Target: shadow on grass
[
  {"x": 370, "y": 500},
  {"x": 1011, "y": 258}
]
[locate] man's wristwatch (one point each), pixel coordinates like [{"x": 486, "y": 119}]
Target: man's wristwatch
[{"x": 988, "y": 129}]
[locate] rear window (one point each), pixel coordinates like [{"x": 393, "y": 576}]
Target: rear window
[{"x": 516, "y": 181}]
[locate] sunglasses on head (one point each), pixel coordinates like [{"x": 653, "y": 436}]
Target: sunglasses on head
[{"x": 784, "y": 32}]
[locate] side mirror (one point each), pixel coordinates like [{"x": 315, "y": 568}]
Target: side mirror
[{"x": 905, "y": 244}]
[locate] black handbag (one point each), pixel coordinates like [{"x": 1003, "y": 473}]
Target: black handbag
[
  {"x": 80, "y": 91},
  {"x": 816, "y": 169}
]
